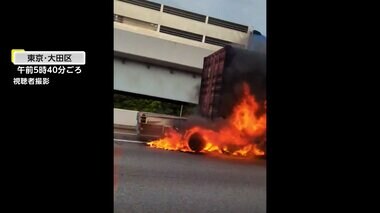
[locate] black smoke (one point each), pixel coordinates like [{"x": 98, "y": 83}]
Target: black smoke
[{"x": 241, "y": 66}]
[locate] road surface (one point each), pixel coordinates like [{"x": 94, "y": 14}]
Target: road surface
[{"x": 155, "y": 180}]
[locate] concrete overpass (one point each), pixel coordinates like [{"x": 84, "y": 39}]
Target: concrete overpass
[
  {"x": 159, "y": 50},
  {"x": 156, "y": 67}
]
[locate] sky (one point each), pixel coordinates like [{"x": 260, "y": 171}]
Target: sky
[{"x": 247, "y": 12}]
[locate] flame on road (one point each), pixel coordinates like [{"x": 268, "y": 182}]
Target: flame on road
[{"x": 236, "y": 136}]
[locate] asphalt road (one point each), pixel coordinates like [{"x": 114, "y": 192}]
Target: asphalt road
[{"x": 154, "y": 180}]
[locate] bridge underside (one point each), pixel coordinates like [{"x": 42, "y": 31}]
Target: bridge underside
[{"x": 152, "y": 80}]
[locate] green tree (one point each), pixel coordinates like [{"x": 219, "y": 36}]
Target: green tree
[{"x": 152, "y": 105}]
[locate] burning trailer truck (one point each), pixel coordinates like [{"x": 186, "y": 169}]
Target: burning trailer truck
[{"x": 232, "y": 103}]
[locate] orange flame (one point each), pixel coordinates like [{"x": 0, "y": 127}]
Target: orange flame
[{"x": 233, "y": 138}]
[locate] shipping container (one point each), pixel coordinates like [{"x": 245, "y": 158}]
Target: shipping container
[{"x": 223, "y": 74}]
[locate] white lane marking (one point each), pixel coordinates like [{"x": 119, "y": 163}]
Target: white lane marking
[{"x": 127, "y": 141}]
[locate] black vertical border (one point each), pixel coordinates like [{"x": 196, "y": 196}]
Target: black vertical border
[{"x": 58, "y": 139}]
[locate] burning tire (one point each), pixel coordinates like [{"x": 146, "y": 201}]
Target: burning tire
[{"x": 196, "y": 142}]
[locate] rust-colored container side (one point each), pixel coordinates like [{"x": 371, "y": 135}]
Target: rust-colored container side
[{"x": 222, "y": 77}]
